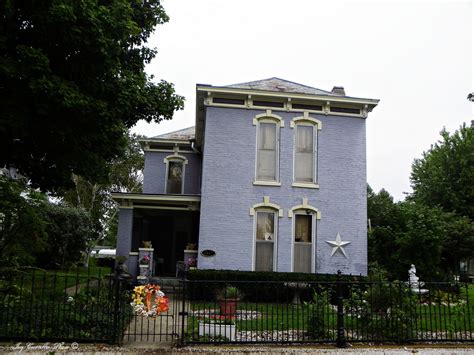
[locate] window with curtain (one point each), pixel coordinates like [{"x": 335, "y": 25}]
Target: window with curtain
[
  {"x": 267, "y": 151},
  {"x": 265, "y": 241},
  {"x": 303, "y": 247},
  {"x": 174, "y": 183},
  {"x": 305, "y": 153}
]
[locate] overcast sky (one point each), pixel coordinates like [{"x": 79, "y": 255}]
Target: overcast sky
[{"x": 415, "y": 56}]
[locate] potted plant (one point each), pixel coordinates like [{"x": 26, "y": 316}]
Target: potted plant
[
  {"x": 228, "y": 298},
  {"x": 145, "y": 261},
  {"x": 191, "y": 263}
]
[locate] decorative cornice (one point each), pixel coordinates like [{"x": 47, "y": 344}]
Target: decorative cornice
[
  {"x": 268, "y": 115},
  {"x": 262, "y": 93},
  {"x": 306, "y": 118},
  {"x": 304, "y": 206},
  {"x": 175, "y": 156},
  {"x": 266, "y": 203}
]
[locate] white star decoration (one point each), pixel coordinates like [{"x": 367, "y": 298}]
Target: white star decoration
[{"x": 338, "y": 244}]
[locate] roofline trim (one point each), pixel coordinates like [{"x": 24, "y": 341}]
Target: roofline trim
[
  {"x": 167, "y": 140},
  {"x": 345, "y": 99},
  {"x": 151, "y": 197}
]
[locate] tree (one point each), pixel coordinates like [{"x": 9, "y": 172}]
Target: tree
[
  {"x": 410, "y": 232},
  {"x": 22, "y": 227},
  {"x": 69, "y": 231},
  {"x": 444, "y": 176},
  {"x": 126, "y": 175},
  {"x": 72, "y": 83}
]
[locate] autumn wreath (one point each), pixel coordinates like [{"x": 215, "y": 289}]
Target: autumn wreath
[{"x": 149, "y": 301}]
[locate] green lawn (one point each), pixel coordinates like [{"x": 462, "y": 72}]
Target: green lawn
[{"x": 445, "y": 320}]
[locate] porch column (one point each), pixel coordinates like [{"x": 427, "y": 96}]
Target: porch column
[{"x": 124, "y": 232}]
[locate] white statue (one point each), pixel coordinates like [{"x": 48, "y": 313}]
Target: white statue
[{"x": 413, "y": 281}]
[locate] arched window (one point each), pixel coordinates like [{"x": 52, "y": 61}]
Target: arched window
[
  {"x": 174, "y": 183},
  {"x": 305, "y": 151},
  {"x": 268, "y": 148},
  {"x": 304, "y": 237},
  {"x": 266, "y": 234}
]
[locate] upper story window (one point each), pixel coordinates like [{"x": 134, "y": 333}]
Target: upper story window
[
  {"x": 305, "y": 151},
  {"x": 174, "y": 183},
  {"x": 268, "y": 149}
]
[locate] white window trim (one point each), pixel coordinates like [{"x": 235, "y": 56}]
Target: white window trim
[
  {"x": 268, "y": 117},
  {"x": 275, "y": 237},
  {"x": 175, "y": 158},
  {"x": 303, "y": 209},
  {"x": 317, "y": 125},
  {"x": 265, "y": 206},
  {"x": 313, "y": 238}
]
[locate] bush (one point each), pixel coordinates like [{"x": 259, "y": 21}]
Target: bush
[
  {"x": 256, "y": 286},
  {"x": 318, "y": 322},
  {"x": 385, "y": 310}
]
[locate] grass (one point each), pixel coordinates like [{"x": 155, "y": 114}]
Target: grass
[
  {"x": 447, "y": 321},
  {"x": 49, "y": 282},
  {"x": 74, "y": 304}
]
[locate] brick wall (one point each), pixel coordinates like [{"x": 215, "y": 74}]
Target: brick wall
[{"x": 228, "y": 192}]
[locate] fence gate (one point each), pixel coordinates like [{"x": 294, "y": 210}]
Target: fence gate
[{"x": 164, "y": 328}]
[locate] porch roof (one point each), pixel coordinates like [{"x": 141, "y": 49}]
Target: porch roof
[{"x": 160, "y": 201}]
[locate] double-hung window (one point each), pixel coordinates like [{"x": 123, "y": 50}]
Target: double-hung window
[
  {"x": 303, "y": 242},
  {"x": 174, "y": 178},
  {"x": 305, "y": 154},
  {"x": 305, "y": 151},
  {"x": 267, "y": 160},
  {"x": 267, "y": 151},
  {"x": 265, "y": 240},
  {"x": 174, "y": 182}
]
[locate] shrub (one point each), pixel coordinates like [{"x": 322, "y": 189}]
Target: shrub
[
  {"x": 319, "y": 310},
  {"x": 386, "y": 311}
]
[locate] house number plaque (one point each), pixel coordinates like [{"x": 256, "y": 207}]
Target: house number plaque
[{"x": 208, "y": 253}]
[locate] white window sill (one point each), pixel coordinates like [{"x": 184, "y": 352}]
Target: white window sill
[
  {"x": 305, "y": 185},
  {"x": 267, "y": 183}
]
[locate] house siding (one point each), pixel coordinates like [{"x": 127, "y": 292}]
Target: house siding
[
  {"x": 154, "y": 174},
  {"x": 228, "y": 171}
]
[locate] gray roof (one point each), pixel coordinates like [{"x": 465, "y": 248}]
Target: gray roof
[
  {"x": 277, "y": 84},
  {"x": 182, "y": 134}
]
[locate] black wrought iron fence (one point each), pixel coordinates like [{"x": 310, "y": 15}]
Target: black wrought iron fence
[
  {"x": 347, "y": 310},
  {"x": 38, "y": 305},
  {"x": 42, "y": 306}
]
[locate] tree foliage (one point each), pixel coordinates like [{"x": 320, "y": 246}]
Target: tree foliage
[
  {"x": 69, "y": 231},
  {"x": 126, "y": 175},
  {"x": 444, "y": 176},
  {"x": 72, "y": 83},
  {"x": 34, "y": 231},
  {"x": 22, "y": 228},
  {"x": 408, "y": 232}
]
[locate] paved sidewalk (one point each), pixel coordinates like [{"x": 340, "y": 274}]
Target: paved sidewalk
[{"x": 237, "y": 350}]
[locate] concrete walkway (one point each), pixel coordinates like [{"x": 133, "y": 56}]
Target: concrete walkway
[{"x": 159, "y": 332}]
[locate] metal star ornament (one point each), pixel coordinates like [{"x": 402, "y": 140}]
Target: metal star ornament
[{"x": 338, "y": 244}]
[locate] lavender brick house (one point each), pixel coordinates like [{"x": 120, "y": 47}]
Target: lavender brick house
[{"x": 272, "y": 177}]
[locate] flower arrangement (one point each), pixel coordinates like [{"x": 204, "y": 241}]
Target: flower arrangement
[
  {"x": 191, "y": 262},
  {"x": 145, "y": 260},
  {"x": 149, "y": 301}
]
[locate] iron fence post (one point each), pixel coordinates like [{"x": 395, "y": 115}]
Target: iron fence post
[
  {"x": 183, "y": 312},
  {"x": 341, "y": 339},
  {"x": 116, "y": 288}
]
